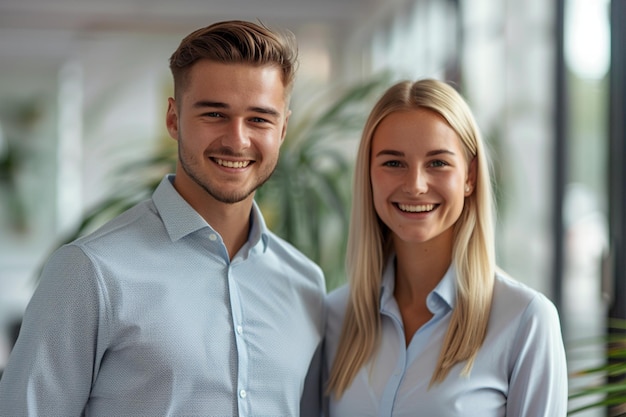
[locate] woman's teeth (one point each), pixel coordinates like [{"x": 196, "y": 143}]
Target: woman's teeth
[{"x": 416, "y": 208}]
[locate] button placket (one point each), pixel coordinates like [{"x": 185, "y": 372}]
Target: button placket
[{"x": 240, "y": 342}]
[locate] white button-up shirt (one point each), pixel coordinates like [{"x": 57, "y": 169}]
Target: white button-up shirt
[
  {"x": 520, "y": 370},
  {"x": 148, "y": 316}
]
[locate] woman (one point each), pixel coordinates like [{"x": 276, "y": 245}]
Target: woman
[{"x": 427, "y": 325}]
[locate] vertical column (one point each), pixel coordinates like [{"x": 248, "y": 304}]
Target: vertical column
[
  {"x": 70, "y": 146},
  {"x": 617, "y": 158},
  {"x": 559, "y": 174},
  {"x": 617, "y": 166}
]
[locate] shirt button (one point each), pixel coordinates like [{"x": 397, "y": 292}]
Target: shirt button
[
  {"x": 243, "y": 393},
  {"x": 239, "y": 329},
  {"x": 213, "y": 237}
]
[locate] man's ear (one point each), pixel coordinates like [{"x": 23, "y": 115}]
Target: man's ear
[
  {"x": 171, "y": 118},
  {"x": 284, "y": 132}
]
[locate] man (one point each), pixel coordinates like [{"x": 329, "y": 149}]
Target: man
[{"x": 186, "y": 304}]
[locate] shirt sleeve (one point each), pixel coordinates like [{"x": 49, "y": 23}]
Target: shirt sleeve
[
  {"x": 51, "y": 367},
  {"x": 538, "y": 384}
]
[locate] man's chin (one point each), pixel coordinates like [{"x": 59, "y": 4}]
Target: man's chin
[{"x": 229, "y": 197}]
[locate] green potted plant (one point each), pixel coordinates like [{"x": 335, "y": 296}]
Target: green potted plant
[{"x": 605, "y": 383}]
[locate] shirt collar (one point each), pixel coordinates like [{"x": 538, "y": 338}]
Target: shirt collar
[
  {"x": 388, "y": 283},
  {"x": 445, "y": 292},
  {"x": 180, "y": 219},
  {"x": 442, "y": 298},
  {"x": 259, "y": 231}
]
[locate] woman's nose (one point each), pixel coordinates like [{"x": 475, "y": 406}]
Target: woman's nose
[{"x": 415, "y": 182}]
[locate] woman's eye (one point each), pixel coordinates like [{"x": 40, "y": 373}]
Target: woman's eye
[
  {"x": 392, "y": 164},
  {"x": 438, "y": 163}
]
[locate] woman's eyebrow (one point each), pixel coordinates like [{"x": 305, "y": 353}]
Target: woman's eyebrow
[
  {"x": 439, "y": 151},
  {"x": 434, "y": 152},
  {"x": 390, "y": 152}
]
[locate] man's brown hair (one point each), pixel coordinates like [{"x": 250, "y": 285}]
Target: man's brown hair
[{"x": 236, "y": 42}]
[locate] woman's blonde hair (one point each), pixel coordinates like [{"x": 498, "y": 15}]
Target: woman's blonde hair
[{"x": 369, "y": 243}]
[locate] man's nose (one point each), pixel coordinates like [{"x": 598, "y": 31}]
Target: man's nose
[{"x": 237, "y": 136}]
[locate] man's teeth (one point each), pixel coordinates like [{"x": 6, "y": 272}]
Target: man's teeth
[
  {"x": 416, "y": 208},
  {"x": 232, "y": 164}
]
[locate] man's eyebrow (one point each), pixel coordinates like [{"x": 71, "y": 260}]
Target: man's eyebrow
[
  {"x": 220, "y": 105},
  {"x": 265, "y": 110},
  {"x": 214, "y": 104}
]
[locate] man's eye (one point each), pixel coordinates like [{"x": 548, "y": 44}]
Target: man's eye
[{"x": 258, "y": 120}]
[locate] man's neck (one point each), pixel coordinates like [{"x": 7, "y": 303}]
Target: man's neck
[{"x": 231, "y": 221}]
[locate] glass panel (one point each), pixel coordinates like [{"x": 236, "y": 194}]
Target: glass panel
[{"x": 586, "y": 198}]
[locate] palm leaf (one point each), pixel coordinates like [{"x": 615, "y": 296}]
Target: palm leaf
[
  {"x": 307, "y": 198},
  {"x": 608, "y": 387}
]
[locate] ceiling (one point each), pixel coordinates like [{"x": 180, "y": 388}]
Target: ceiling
[
  {"x": 168, "y": 15},
  {"x": 38, "y": 32}
]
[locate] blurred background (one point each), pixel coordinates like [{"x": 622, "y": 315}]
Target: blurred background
[{"x": 83, "y": 94}]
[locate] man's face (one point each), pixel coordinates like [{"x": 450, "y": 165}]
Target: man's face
[{"x": 229, "y": 124}]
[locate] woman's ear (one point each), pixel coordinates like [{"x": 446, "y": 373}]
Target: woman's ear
[{"x": 470, "y": 182}]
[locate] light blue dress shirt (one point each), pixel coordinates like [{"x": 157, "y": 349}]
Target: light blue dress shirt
[
  {"x": 148, "y": 317},
  {"x": 520, "y": 371}
]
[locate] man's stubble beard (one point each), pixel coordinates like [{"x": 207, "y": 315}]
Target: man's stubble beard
[{"x": 214, "y": 189}]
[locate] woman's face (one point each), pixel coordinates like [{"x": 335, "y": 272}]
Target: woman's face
[{"x": 420, "y": 176}]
